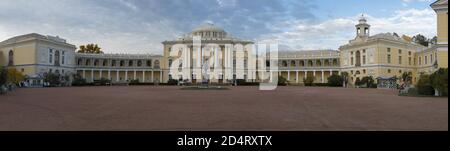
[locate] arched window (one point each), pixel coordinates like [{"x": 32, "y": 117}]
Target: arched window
[
  {"x": 80, "y": 61},
  {"x": 105, "y": 62},
  {"x": 358, "y": 58},
  {"x": 88, "y": 62},
  {"x": 56, "y": 58},
  {"x": 156, "y": 63},
  {"x": 318, "y": 63},
  {"x": 327, "y": 62},
  {"x": 302, "y": 63},
  {"x": 130, "y": 63},
  {"x": 122, "y": 63},
  {"x": 113, "y": 63},
  {"x": 139, "y": 63},
  {"x": 310, "y": 63},
  {"x": 149, "y": 63},
  {"x": 11, "y": 58},
  {"x": 293, "y": 63}
]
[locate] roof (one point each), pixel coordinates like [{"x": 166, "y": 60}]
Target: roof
[
  {"x": 208, "y": 27},
  {"x": 34, "y": 36}
]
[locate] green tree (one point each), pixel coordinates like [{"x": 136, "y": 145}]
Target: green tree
[
  {"x": 90, "y": 48},
  {"x": 52, "y": 78},
  {"x": 439, "y": 81},
  {"x": 78, "y": 80},
  {"x": 308, "y": 81},
  {"x": 357, "y": 81},
  {"x": 407, "y": 77},
  {"x": 282, "y": 81},
  {"x": 424, "y": 85},
  {"x": 422, "y": 40},
  {"x": 14, "y": 76},
  {"x": 3, "y": 76},
  {"x": 335, "y": 80},
  {"x": 345, "y": 76},
  {"x": 368, "y": 81}
]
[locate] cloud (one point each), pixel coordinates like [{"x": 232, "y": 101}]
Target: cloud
[{"x": 330, "y": 34}]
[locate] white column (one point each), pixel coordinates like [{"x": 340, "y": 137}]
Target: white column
[
  {"x": 109, "y": 74},
  {"x": 117, "y": 75},
  {"x": 151, "y": 80},
  {"x": 323, "y": 80},
  {"x": 161, "y": 76},
  {"x": 296, "y": 76},
  {"x": 289, "y": 76},
  {"x": 306, "y": 74},
  {"x": 92, "y": 75},
  {"x": 143, "y": 76},
  {"x": 331, "y": 72},
  {"x": 271, "y": 76},
  {"x": 134, "y": 75},
  {"x": 101, "y": 73},
  {"x": 84, "y": 74},
  {"x": 126, "y": 75},
  {"x": 314, "y": 75}
]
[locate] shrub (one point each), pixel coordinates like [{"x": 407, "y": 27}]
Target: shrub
[
  {"x": 3, "y": 76},
  {"x": 134, "y": 82},
  {"x": 335, "y": 81},
  {"x": 368, "y": 81},
  {"x": 357, "y": 82},
  {"x": 282, "y": 81},
  {"x": 53, "y": 79},
  {"x": 439, "y": 81},
  {"x": 104, "y": 81},
  {"x": 172, "y": 82},
  {"x": 424, "y": 86},
  {"x": 320, "y": 84},
  {"x": 78, "y": 80},
  {"x": 308, "y": 81}
]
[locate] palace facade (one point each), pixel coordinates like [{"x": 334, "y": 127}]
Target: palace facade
[{"x": 209, "y": 48}]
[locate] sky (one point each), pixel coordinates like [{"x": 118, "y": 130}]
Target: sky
[{"x": 139, "y": 26}]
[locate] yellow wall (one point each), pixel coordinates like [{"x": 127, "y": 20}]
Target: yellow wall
[
  {"x": 442, "y": 28},
  {"x": 23, "y": 54}
]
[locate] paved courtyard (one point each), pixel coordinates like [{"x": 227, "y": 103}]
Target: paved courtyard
[{"x": 241, "y": 108}]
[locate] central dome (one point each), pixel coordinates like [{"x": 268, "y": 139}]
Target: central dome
[{"x": 208, "y": 27}]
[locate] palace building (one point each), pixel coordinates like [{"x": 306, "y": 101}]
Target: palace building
[{"x": 226, "y": 58}]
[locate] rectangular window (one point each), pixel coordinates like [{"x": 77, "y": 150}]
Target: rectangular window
[
  {"x": 399, "y": 59},
  {"x": 50, "y": 55},
  {"x": 388, "y": 58},
  {"x": 420, "y": 60},
  {"x": 426, "y": 60},
  {"x": 63, "y": 59},
  {"x": 399, "y": 51},
  {"x": 388, "y": 49},
  {"x": 351, "y": 61},
  {"x": 409, "y": 61},
  {"x": 431, "y": 58},
  {"x": 364, "y": 59},
  {"x": 409, "y": 53}
]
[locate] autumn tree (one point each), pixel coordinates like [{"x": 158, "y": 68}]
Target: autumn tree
[
  {"x": 90, "y": 48},
  {"x": 14, "y": 76}
]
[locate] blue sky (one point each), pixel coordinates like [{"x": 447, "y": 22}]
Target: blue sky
[{"x": 139, "y": 26}]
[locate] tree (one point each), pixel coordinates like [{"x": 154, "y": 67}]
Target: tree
[
  {"x": 424, "y": 86},
  {"x": 3, "y": 76},
  {"x": 282, "y": 81},
  {"x": 344, "y": 78},
  {"x": 420, "y": 39},
  {"x": 52, "y": 78},
  {"x": 78, "y": 80},
  {"x": 335, "y": 80},
  {"x": 433, "y": 40},
  {"x": 90, "y": 48},
  {"x": 407, "y": 77},
  {"x": 357, "y": 81},
  {"x": 14, "y": 76},
  {"x": 308, "y": 81},
  {"x": 439, "y": 81},
  {"x": 368, "y": 81}
]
